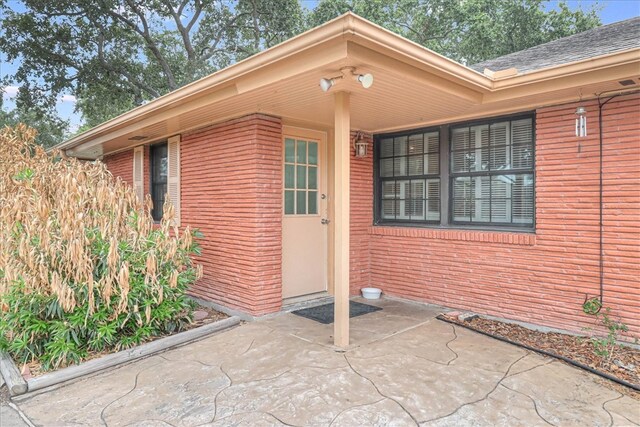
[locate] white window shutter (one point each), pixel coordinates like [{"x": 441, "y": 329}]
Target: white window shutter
[
  {"x": 138, "y": 172},
  {"x": 173, "y": 174}
]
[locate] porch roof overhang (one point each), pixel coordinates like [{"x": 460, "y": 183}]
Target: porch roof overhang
[{"x": 413, "y": 87}]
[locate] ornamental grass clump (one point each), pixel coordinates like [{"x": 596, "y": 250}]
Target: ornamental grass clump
[{"x": 83, "y": 267}]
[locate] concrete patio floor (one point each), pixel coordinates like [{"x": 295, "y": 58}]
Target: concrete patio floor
[{"x": 404, "y": 367}]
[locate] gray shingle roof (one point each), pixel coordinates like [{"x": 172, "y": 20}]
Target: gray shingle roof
[{"x": 599, "y": 41}]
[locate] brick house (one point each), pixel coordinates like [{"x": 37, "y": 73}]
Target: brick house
[{"x": 479, "y": 188}]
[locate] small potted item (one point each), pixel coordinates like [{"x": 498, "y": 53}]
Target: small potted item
[{"x": 371, "y": 293}]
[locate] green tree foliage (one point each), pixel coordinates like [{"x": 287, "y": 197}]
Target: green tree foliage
[
  {"x": 467, "y": 31},
  {"x": 116, "y": 54}
]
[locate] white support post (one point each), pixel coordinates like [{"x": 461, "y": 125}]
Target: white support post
[{"x": 341, "y": 193}]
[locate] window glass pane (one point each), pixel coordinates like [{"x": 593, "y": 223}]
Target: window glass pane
[
  {"x": 389, "y": 209},
  {"x": 500, "y": 158},
  {"x": 301, "y": 202},
  {"x": 400, "y": 166},
  {"x": 460, "y": 139},
  {"x": 386, "y": 147},
  {"x": 432, "y": 142},
  {"x": 289, "y": 202},
  {"x": 386, "y": 167},
  {"x": 499, "y": 134},
  {"x": 400, "y": 146},
  {"x": 313, "y": 202},
  {"x": 289, "y": 150},
  {"x": 522, "y": 192},
  {"x": 416, "y": 144},
  {"x": 521, "y": 132},
  {"x": 289, "y": 176},
  {"x": 481, "y": 192},
  {"x": 388, "y": 189},
  {"x": 522, "y": 156},
  {"x": 301, "y": 151},
  {"x": 313, "y": 153},
  {"x": 416, "y": 165},
  {"x": 313, "y": 178},
  {"x": 415, "y": 209},
  {"x": 431, "y": 164},
  {"x": 301, "y": 176},
  {"x": 460, "y": 161}
]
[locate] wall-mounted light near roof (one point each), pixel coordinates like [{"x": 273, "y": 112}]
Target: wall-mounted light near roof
[
  {"x": 581, "y": 121},
  {"x": 366, "y": 80},
  {"x": 627, "y": 82}
]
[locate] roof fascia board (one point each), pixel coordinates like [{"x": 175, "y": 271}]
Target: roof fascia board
[
  {"x": 567, "y": 81},
  {"x": 571, "y": 68}
]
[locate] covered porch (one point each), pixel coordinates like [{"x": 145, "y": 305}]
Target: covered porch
[{"x": 412, "y": 88}]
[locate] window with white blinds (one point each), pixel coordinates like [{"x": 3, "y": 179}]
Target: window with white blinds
[
  {"x": 474, "y": 174},
  {"x": 491, "y": 171},
  {"x": 409, "y": 172}
]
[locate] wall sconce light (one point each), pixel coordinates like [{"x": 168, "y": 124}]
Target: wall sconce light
[
  {"x": 581, "y": 122},
  {"x": 360, "y": 145},
  {"x": 366, "y": 80}
]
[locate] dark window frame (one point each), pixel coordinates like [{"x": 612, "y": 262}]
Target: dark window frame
[
  {"x": 447, "y": 177},
  {"x": 378, "y": 180},
  {"x": 156, "y": 211}
]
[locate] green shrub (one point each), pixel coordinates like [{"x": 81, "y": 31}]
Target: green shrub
[{"x": 83, "y": 268}]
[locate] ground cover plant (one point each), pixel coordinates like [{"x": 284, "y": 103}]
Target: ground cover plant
[{"x": 83, "y": 267}]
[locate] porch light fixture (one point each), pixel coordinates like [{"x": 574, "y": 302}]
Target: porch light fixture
[
  {"x": 326, "y": 84},
  {"x": 360, "y": 145},
  {"x": 366, "y": 80},
  {"x": 581, "y": 122}
]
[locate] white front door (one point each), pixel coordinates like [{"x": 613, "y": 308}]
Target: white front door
[{"x": 304, "y": 198}]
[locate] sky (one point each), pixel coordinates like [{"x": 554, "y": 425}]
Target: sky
[{"x": 610, "y": 11}]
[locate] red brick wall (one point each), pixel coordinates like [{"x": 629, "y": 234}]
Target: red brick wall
[
  {"x": 121, "y": 164},
  {"x": 544, "y": 277},
  {"x": 231, "y": 181}
]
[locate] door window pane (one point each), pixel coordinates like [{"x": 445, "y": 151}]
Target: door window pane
[
  {"x": 301, "y": 177},
  {"x": 313, "y": 202},
  {"x": 289, "y": 150},
  {"x": 313, "y": 153},
  {"x": 289, "y": 199},
  {"x": 313, "y": 178},
  {"x": 301, "y": 202},
  {"x": 301, "y": 151},
  {"x": 289, "y": 176}
]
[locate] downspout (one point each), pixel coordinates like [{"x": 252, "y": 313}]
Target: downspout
[{"x": 601, "y": 105}]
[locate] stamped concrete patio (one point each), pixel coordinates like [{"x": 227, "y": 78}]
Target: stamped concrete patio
[{"x": 403, "y": 368}]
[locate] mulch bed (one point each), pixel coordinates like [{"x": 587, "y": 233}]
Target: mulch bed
[
  {"x": 576, "y": 348},
  {"x": 201, "y": 316}
]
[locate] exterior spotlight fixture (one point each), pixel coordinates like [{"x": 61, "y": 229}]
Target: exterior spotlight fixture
[
  {"x": 366, "y": 80},
  {"x": 581, "y": 122},
  {"x": 326, "y": 84},
  {"x": 360, "y": 145}
]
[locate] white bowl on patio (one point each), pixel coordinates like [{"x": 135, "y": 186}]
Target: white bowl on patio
[{"x": 371, "y": 293}]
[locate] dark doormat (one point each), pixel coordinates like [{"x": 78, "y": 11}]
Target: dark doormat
[{"x": 324, "y": 313}]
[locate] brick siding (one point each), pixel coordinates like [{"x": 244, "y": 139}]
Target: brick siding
[{"x": 542, "y": 278}]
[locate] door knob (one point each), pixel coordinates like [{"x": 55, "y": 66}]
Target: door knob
[{"x": 325, "y": 221}]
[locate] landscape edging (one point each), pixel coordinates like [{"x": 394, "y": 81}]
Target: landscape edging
[
  {"x": 546, "y": 353},
  {"x": 122, "y": 357}
]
